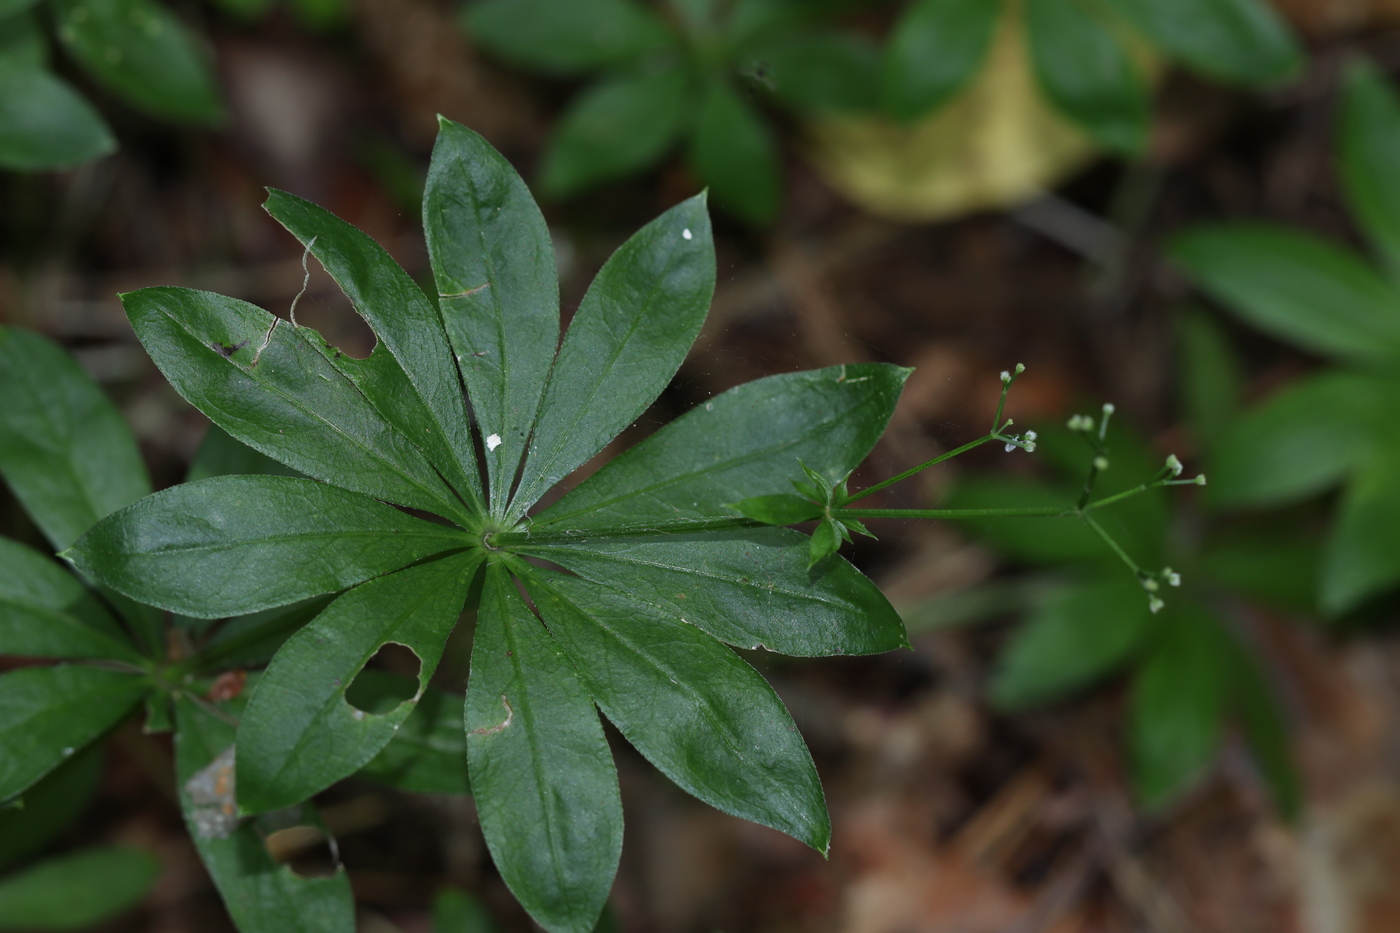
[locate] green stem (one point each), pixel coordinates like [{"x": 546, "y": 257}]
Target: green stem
[
  {"x": 1113, "y": 545},
  {"x": 923, "y": 466},
  {"x": 1048, "y": 512}
]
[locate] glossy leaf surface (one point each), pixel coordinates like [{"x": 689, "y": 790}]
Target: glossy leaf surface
[
  {"x": 704, "y": 717},
  {"x": 48, "y": 713},
  {"x": 546, "y": 789},
  {"x": 630, "y": 334},
  {"x": 237, "y": 544},
  {"x": 64, "y": 449},
  {"x": 493, "y": 262},
  {"x": 260, "y": 894},
  {"x": 747, "y": 588},
  {"x": 299, "y": 733}
]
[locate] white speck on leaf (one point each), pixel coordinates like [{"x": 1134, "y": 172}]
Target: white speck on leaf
[
  {"x": 687, "y": 234},
  {"x": 358, "y": 715},
  {"x": 493, "y": 442},
  {"x": 67, "y": 751}
]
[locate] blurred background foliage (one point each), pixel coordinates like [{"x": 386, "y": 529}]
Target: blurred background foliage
[{"x": 1187, "y": 207}]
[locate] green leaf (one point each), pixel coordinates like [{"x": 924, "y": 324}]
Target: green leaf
[
  {"x": 1368, "y": 145},
  {"x": 49, "y": 806},
  {"x": 1033, "y": 540},
  {"x": 820, "y": 72},
  {"x": 1302, "y": 441},
  {"x": 1278, "y": 567},
  {"x": 936, "y": 47},
  {"x": 458, "y": 912},
  {"x": 75, "y": 892},
  {"x": 64, "y": 449},
  {"x": 1178, "y": 703},
  {"x": 1240, "y": 41},
  {"x": 220, "y": 454},
  {"x": 566, "y": 37},
  {"x": 260, "y": 894},
  {"x": 144, "y": 54},
  {"x": 545, "y": 785},
  {"x": 1209, "y": 378},
  {"x": 48, "y": 713},
  {"x": 44, "y": 123},
  {"x": 493, "y": 262},
  {"x": 287, "y": 400},
  {"x": 618, "y": 126},
  {"x": 736, "y": 154},
  {"x": 9, "y": 8},
  {"x": 237, "y": 544},
  {"x": 46, "y": 613},
  {"x": 1363, "y": 549},
  {"x": 1267, "y": 732},
  {"x": 1295, "y": 287},
  {"x": 419, "y": 390},
  {"x": 750, "y": 589},
  {"x": 428, "y": 754},
  {"x": 1081, "y": 634},
  {"x": 22, "y": 43},
  {"x": 747, "y": 441},
  {"x": 250, "y": 640},
  {"x": 299, "y": 733},
  {"x": 1084, "y": 68},
  {"x": 630, "y": 334},
  {"x": 702, "y": 716},
  {"x": 825, "y": 541},
  {"x": 781, "y": 509}
]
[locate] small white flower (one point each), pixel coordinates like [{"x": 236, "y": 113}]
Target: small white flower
[
  {"x": 1155, "y": 604},
  {"x": 1200, "y": 479},
  {"x": 1005, "y": 376},
  {"x": 1031, "y": 436},
  {"x": 1010, "y": 447},
  {"x": 1173, "y": 579},
  {"x": 1101, "y": 463},
  {"x": 1174, "y": 465},
  {"x": 1020, "y": 368},
  {"x": 1108, "y": 408}
]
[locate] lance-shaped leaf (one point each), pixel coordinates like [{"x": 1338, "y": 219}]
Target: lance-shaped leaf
[
  {"x": 1368, "y": 143},
  {"x": 545, "y": 785},
  {"x": 630, "y": 334},
  {"x": 107, "y": 881},
  {"x": 748, "y": 588},
  {"x": 565, "y": 37},
  {"x": 50, "y": 806},
  {"x": 142, "y": 52},
  {"x": 1234, "y": 40},
  {"x": 935, "y": 49},
  {"x": 44, "y": 123},
  {"x": 406, "y": 323},
  {"x": 220, "y": 454},
  {"x": 64, "y": 448},
  {"x": 299, "y": 733},
  {"x": 1296, "y": 287},
  {"x": 1084, "y": 68},
  {"x": 260, "y": 894},
  {"x": 285, "y": 399},
  {"x": 734, "y": 151},
  {"x": 746, "y": 442},
  {"x": 1363, "y": 555},
  {"x": 46, "y": 613},
  {"x": 705, "y": 718},
  {"x": 237, "y": 544},
  {"x": 493, "y": 262},
  {"x": 48, "y": 713},
  {"x": 428, "y": 754}
]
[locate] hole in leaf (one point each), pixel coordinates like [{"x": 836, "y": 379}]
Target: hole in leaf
[
  {"x": 388, "y": 679},
  {"x": 306, "y": 850}
]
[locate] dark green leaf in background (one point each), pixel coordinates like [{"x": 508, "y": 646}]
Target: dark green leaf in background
[
  {"x": 1295, "y": 287},
  {"x": 260, "y": 894},
  {"x": 419, "y": 390},
  {"x": 748, "y": 441},
  {"x": 287, "y": 400},
  {"x": 1363, "y": 551},
  {"x": 546, "y": 789},
  {"x": 144, "y": 54},
  {"x": 1178, "y": 702},
  {"x": 428, "y": 754},
  {"x": 50, "y": 806},
  {"x": 735, "y": 152},
  {"x": 458, "y": 912},
  {"x": 237, "y": 544},
  {"x": 1209, "y": 378},
  {"x": 75, "y": 892},
  {"x": 701, "y": 715},
  {"x": 620, "y": 125},
  {"x": 64, "y": 449},
  {"x": 628, "y": 338},
  {"x": 1082, "y": 633},
  {"x": 1256, "y": 703},
  {"x": 44, "y": 123},
  {"x": 819, "y": 72},
  {"x": 46, "y": 613},
  {"x": 566, "y": 37},
  {"x": 935, "y": 49},
  {"x": 493, "y": 262},
  {"x": 49, "y": 713},
  {"x": 748, "y": 588},
  {"x": 781, "y": 509},
  {"x": 299, "y": 734},
  {"x": 1243, "y": 41},
  {"x": 220, "y": 454},
  {"x": 1369, "y": 146},
  {"x": 1086, "y": 70},
  {"x": 1276, "y": 566}
]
